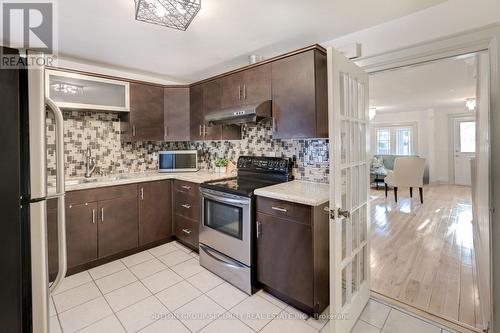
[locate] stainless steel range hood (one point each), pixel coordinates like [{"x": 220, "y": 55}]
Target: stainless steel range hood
[{"x": 241, "y": 115}]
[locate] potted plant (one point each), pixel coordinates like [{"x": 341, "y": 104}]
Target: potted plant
[{"x": 220, "y": 165}]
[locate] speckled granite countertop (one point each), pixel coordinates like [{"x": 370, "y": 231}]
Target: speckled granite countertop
[
  {"x": 75, "y": 184},
  {"x": 307, "y": 193}
]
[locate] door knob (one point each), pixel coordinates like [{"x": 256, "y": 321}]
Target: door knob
[{"x": 344, "y": 213}]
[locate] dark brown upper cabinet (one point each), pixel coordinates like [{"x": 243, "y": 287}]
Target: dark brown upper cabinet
[
  {"x": 257, "y": 84},
  {"x": 176, "y": 115},
  {"x": 300, "y": 96},
  {"x": 196, "y": 110},
  {"x": 212, "y": 95},
  {"x": 145, "y": 122},
  {"x": 206, "y": 98},
  {"x": 231, "y": 90},
  {"x": 155, "y": 211},
  {"x": 212, "y": 101},
  {"x": 247, "y": 87}
]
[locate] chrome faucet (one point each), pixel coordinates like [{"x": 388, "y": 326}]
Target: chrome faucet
[{"x": 90, "y": 163}]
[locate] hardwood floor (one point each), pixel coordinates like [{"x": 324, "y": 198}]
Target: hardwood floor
[{"x": 422, "y": 255}]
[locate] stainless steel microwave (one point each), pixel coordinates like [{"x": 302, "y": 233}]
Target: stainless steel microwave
[{"x": 178, "y": 161}]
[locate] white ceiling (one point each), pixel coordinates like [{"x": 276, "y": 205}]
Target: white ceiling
[
  {"x": 220, "y": 38},
  {"x": 441, "y": 84}
]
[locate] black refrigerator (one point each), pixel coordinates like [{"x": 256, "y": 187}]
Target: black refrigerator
[{"x": 24, "y": 282}]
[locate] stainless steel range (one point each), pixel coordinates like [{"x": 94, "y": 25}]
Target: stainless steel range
[{"x": 228, "y": 218}]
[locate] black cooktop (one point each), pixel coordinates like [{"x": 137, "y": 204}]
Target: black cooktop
[
  {"x": 238, "y": 186},
  {"x": 253, "y": 173}
]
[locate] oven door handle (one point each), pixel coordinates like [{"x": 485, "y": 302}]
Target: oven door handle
[
  {"x": 225, "y": 200},
  {"x": 211, "y": 255}
]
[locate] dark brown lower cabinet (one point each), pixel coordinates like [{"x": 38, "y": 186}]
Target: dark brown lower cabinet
[
  {"x": 103, "y": 224},
  {"x": 81, "y": 233},
  {"x": 187, "y": 231},
  {"x": 155, "y": 211},
  {"x": 118, "y": 228},
  {"x": 186, "y": 208},
  {"x": 292, "y": 253}
]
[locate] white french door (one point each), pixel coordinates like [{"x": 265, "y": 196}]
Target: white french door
[{"x": 349, "y": 186}]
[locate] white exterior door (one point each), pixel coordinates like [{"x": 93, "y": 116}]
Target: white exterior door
[
  {"x": 349, "y": 186},
  {"x": 465, "y": 148}
]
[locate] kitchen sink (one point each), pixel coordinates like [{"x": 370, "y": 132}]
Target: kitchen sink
[
  {"x": 71, "y": 182},
  {"x": 79, "y": 181}
]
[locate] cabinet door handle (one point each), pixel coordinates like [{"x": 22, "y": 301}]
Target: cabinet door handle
[
  {"x": 142, "y": 193},
  {"x": 102, "y": 214},
  {"x": 166, "y": 131},
  {"x": 259, "y": 229},
  {"x": 245, "y": 92},
  {"x": 186, "y": 187},
  {"x": 279, "y": 209},
  {"x": 200, "y": 130},
  {"x": 186, "y": 206},
  {"x": 239, "y": 92},
  {"x": 186, "y": 231},
  {"x": 93, "y": 216},
  {"x": 133, "y": 130},
  {"x": 204, "y": 130}
]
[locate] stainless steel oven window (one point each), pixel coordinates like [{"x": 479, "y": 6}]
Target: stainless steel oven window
[{"x": 224, "y": 218}]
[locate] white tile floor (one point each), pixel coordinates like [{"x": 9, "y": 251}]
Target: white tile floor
[{"x": 165, "y": 290}]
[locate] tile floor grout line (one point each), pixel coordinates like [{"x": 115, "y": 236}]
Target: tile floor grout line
[
  {"x": 364, "y": 321},
  {"x": 56, "y": 315},
  {"x": 169, "y": 287},
  {"x": 430, "y": 322},
  {"x": 152, "y": 273},
  {"x": 60, "y": 292},
  {"x": 102, "y": 277},
  {"x": 386, "y": 318},
  {"x": 181, "y": 262},
  {"x": 125, "y": 285},
  {"x": 229, "y": 310},
  {"x": 55, "y": 306},
  {"x": 113, "y": 311}
]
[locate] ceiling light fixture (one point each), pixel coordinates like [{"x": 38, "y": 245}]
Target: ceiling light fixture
[
  {"x": 176, "y": 14},
  {"x": 372, "y": 112},
  {"x": 470, "y": 104}
]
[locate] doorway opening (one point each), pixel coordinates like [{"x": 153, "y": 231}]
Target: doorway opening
[{"x": 423, "y": 121}]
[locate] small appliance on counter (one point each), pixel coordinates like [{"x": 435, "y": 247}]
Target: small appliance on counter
[
  {"x": 178, "y": 161},
  {"x": 227, "y": 228}
]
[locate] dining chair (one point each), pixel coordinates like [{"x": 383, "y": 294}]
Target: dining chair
[{"x": 408, "y": 172}]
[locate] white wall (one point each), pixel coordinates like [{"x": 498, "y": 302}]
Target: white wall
[
  {"x": 105, "y": 69},
  {"x": 448, "y": 18},
  {"x": 433, "y": 138}
]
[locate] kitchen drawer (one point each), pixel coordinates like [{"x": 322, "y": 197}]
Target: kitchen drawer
[
  {"x": 187, "y": 188},
  {"x": 187, "y": 207},
  {"x": 186, "y": 230},
  {"x": 285, "y": 210},
  {"x": 105, "y": 193}
]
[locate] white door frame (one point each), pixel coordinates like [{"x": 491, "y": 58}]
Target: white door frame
[
  {"x": 483, "y": 39},
  {"x": 349, "y": 214},
  {"x": 451, "y": 142}
]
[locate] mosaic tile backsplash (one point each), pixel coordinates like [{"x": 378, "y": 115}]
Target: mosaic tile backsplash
[{"x": 101, "y": 131}]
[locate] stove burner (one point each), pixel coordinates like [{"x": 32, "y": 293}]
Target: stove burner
[{"x": 253, "y": 173}]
